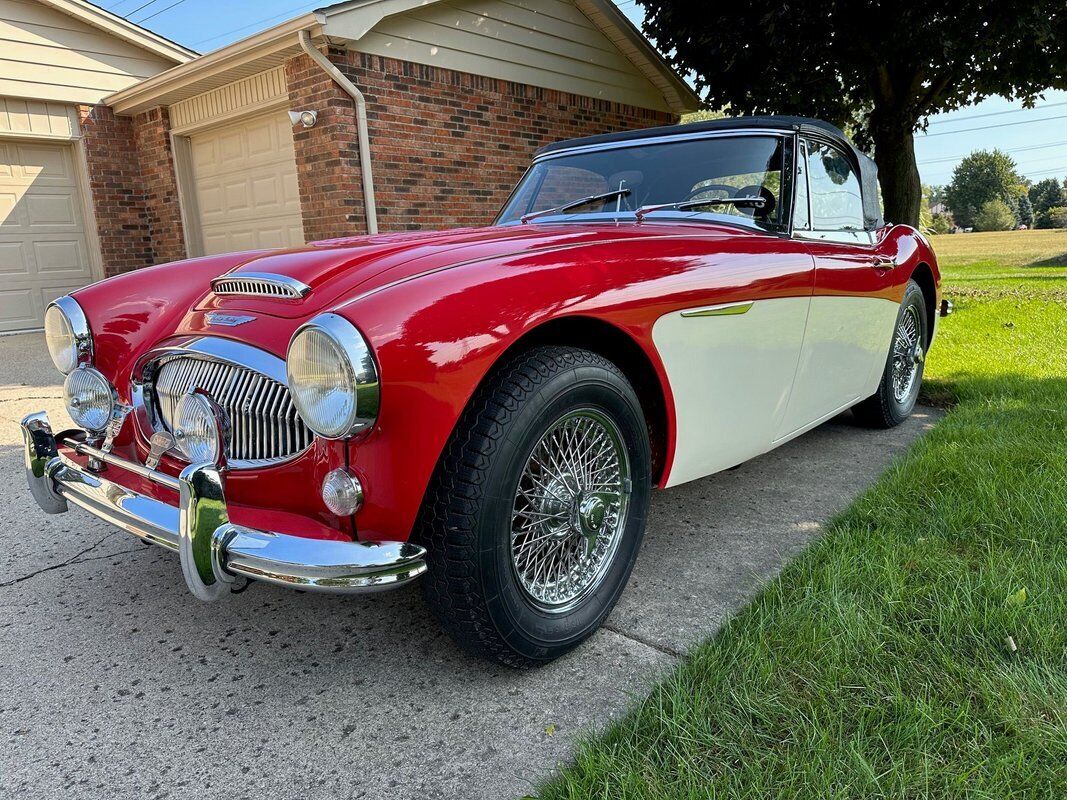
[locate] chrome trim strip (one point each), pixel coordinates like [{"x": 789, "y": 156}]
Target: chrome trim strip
[
  {"x": 838, "y": 237},
  {"x": 721, "y": 310},
  {"x": 79, "y": 325},
  {"x": 225, "y": 350},
  {"x": 212, "y": 550},
  {"x": 260, "y": 284}
]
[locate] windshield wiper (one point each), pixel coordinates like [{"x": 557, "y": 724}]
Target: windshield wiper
[
  {"x": 753, "y": 202},
  {"x": 573, "y": 204}
]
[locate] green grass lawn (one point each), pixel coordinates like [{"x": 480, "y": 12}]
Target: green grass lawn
[{"x": 879, "y": 663}]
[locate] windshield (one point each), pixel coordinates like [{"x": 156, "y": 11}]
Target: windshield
[{"x": 620, "y": 181}]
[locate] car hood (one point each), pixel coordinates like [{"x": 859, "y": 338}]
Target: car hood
[{"x": 337, "y": 270}]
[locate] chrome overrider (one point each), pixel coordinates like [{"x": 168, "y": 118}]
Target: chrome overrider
[{"x": 213, "y": 551}]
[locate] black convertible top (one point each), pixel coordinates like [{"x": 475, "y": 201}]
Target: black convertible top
[{"x": 867, "y": 169}]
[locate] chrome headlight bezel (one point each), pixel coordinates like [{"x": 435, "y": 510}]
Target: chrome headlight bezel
[
  {"x": 80, "y": 337},
  {"x": 107, "y": 389},
  {"x": 356, "y": 361}
]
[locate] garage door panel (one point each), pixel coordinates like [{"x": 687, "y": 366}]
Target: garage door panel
[
  {"x": 246, "y": 185},
  {"x": 43, "y": 247},
  {"x": 13, "y": 258},
  {"x": 54, "y": 259},
  {"x": 19, "y": 308}
]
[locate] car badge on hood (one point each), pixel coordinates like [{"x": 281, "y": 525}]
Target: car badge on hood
[{"x": 226, "y": 320}]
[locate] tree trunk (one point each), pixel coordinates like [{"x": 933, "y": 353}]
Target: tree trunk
[{"x": 898, "y": 174}]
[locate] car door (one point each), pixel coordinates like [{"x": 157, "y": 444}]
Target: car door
[{"x": 850, "y": 321}]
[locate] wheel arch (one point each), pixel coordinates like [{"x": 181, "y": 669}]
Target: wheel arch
[
  {"x": 619, "y": 347},
  {"x": 924, "y": 277}
]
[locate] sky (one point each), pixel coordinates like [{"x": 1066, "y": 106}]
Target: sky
[{"x": 1036, "y": 138}]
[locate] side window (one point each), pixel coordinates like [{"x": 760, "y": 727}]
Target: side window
[
  {"x": 802, "y": 213},
  {"x": 836, "y": 202}
]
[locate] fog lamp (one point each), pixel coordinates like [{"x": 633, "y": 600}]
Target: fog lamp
[
  {"x": 200, "y": 429},
  {"x": 342, "y": 493},
  {"x": 90, "y": 399}
]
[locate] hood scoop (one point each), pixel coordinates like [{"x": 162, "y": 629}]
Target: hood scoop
[{"x": 260, "y": 284}]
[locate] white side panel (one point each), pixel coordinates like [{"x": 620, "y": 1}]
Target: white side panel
[
  {"x": 845, "y": 349},
  {"x": 731, "y": 378}
]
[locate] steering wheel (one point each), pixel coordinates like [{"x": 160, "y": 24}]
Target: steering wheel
[
  {"x": 760, "y": 191},
  {"x": 711, "y": 187}
]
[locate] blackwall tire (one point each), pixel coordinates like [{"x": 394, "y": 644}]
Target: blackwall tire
[
  {"x": 500, "y": 498},
  {"x": 902, "y": 377}
]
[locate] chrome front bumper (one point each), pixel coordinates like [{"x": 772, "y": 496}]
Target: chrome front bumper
[{"x": 213, "y": 551}]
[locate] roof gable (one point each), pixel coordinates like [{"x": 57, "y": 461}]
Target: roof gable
[{"x": 585, "y": 47}]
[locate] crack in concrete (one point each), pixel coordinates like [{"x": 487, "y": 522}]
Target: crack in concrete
[
  {"x": 74, "y": 559},
  {"x": 667, "y": 650}
]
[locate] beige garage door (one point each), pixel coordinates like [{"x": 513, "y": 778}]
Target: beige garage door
[
  {"x": 246, "y": 192},
  {"x": 43, "y": 249}
]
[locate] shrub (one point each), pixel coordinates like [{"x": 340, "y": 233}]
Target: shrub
[
  {"x": 1055, "y": 217},
  {"x": 941, "y": 223},
  {"x": 994, "y": 215}
]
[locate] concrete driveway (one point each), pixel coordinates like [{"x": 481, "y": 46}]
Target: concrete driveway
[{"x": 116, "y": 683}]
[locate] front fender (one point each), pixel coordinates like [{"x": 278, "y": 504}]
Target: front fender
[{"x": 437, "y": 337}]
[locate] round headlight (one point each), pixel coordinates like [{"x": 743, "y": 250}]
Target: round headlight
[
  {"x": 332, "y": 377},
  {"x": 199, "y": 429},
  {"x": 66, "y": 332},
  {"x": 90, "y": 399}
]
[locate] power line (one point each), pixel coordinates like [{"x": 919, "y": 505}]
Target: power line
[
  {"x": 996, "y": 114},
  {"x": 1012, "y": 153},
  {"x": 146, "y": 5},
  {"x": 991, "y": 127},
  {"x": 258, "y": 22},
  {"x": 143, "y": 20}
]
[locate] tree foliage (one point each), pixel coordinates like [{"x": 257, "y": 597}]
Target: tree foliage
[
  {"x": 1047, "y": 194},
  {"x": 994, "y": 215},
  {"x": 1055, "y": 217},
  {"x": 878, "y": 68},
  {"x": 982, "y": 176},
  {"x": 1024, "y": 211}
]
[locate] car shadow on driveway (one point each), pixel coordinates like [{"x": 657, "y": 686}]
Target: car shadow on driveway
[{"x": 116, "y": 680}]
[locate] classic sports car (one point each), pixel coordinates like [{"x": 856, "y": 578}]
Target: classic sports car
[{"x": 487, "y": 409}]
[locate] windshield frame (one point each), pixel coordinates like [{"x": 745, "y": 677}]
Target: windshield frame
[{"x": 787, "y": 139}]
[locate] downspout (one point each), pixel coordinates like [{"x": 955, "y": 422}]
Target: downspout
[{"x": 361, "y": 125}]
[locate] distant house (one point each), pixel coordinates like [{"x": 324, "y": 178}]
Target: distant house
[
  {"x": 58, "y": 60},
  {"x": 198, "y": 155}
]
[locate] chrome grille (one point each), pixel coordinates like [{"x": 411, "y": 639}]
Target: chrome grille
[
  {"x": 264, "y": 425},
  {"x": 260, "y": 285}
]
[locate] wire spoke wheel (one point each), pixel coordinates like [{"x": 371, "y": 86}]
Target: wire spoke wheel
[
  {"x": 908, "y": 354},
  {"x": 570, "y": 510}
]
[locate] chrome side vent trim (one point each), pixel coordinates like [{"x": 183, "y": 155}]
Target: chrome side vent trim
[
  {"x": 264, "y": 425},
  {"x": 260, "y": 284}
]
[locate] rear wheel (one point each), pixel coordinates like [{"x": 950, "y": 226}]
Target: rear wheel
[
  {"x": 899, "y": 388},
  {"x": 538, "y": 509}
]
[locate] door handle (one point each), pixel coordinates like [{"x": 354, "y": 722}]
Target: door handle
[{"x": 883, "y": 263}]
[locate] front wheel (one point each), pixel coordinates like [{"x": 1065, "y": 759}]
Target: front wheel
[
  {"x": 899, "y": 388},
  {"x": 538, "y": 507}
]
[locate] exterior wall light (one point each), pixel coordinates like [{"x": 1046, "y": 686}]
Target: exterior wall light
[{"x": 305, "y": 118}]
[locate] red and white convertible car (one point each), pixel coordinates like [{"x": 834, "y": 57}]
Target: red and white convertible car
[{"x": 486, "y": 410}]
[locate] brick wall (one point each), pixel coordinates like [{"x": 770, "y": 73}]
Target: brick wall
[
  {"x": 117, "y": 190},
  {"x": 152, "y": 141},
  {"x": 447, "y": 147},
  {"x": 133, "y": 187}
]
